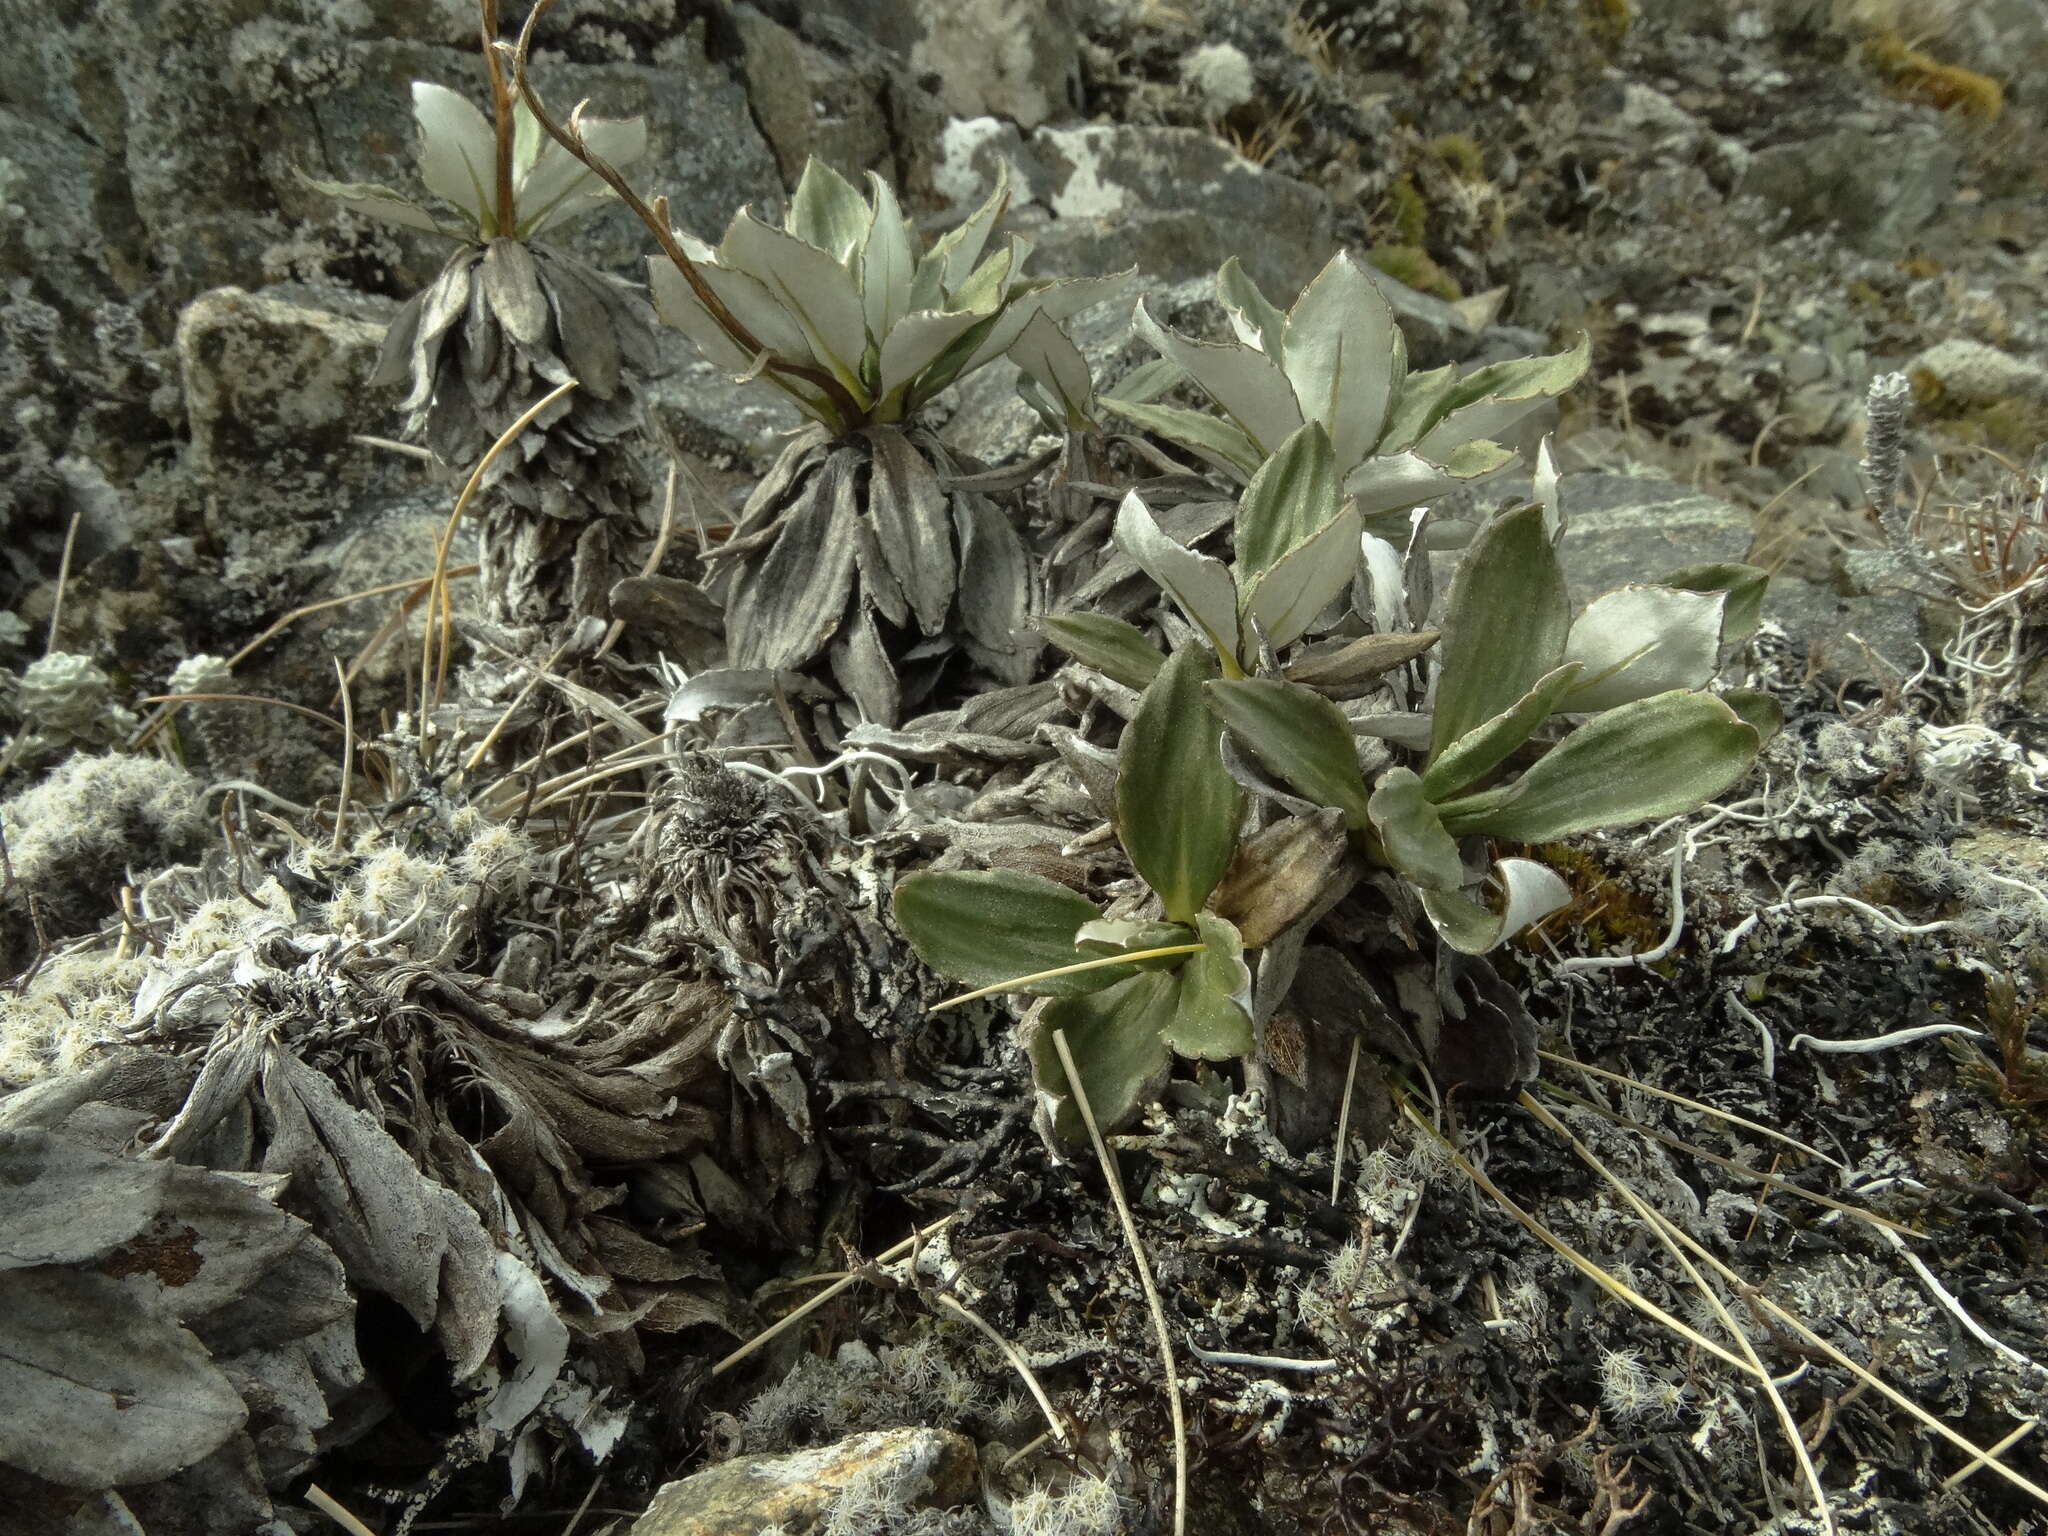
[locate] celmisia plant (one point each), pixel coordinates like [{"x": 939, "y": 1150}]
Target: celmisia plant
[
  {"x": 1338, "y": 359},
  {"x": 839, "y": 308}
]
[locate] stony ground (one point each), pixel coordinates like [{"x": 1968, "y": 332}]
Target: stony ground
[{"x": 1751, "y": 209}]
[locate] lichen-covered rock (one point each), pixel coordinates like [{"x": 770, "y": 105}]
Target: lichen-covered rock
[
  {"x": 862, "y": 1483},
  {"x": 1875, "y": 189},
  {"x": 273, "y": 392},
  {"x": 1017, "y": 59},
  {"x": 1966, "y": 373},
  {"x": 1174, "y": 202}
]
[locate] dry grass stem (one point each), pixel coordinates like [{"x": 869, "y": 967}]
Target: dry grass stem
[
  {"x": 1344, "y": 1121},
  {"x": 1055, "y": 1424},
  {"x": 1726, "y": 1116},
  {"x": 1067, "y": 970},
  {"x": 438, "y": 595},
  {"x": 782, "y": 1325},
  {"x": 63, "y": 582},
  {"x": 1144, "y": 1268},
  {"x": 325, "y": 1502},
  {"x": 348, "y": 756},
  {"x": 1663, "y": 1228}
]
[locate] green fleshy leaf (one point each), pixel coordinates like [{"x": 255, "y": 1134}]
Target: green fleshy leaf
[
  {"x": 828, "y": 211},
  {"x": 1758, "y": 710},
  {"x": 1117, "y": 650},
  {"x": 1505, "y": 624},
  {"x": 1117, "y": 1038},
  {"x": 1744, "y": 585},
  {"x": 986, "y": 927},
  {"x": 1659, "y": 756},
  {"x": 1177, "y": 806},
  {"x": 1212, "y": 1016},
  {"x": 1414, "y": 838},
  {"x": 1485, "y": 747},
  {"x": 1299, "y": 736},
  {"x": 1291, "y": 499}
]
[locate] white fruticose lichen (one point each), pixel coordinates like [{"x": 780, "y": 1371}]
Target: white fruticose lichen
[{"x": 1221, "y": 74}]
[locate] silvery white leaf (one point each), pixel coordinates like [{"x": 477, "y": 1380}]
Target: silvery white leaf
[
  {"x": 1201, "y": 585},
  {"x": 1253, "y": 316},
  {"x": 1546, "y": 490},
  {"x": 1344, "y": 356},
  {"x": 377, "y": 202},
  {"x": 1301, "y": 583},
  {"x": 807, "y": 283},
  {"x": 556, "y": 186},
  {"x": 458, "y": 149},
  {"x": 826, "y": 212},
  {"x": 1245, "y": 383},
  {"x": 918, "y": 340},
  {"x": 536, "y": 1335},
  {"x": 1383, "y": 565},
  {"x": 1044, "y": 353},
  {"x": 957, "y": 252},
  {"x": 1058, "y": 301},
  {"x": 1518, "y": 387},
  {"x": 750, "y": 303},
  {"x": 1395, "y": 481},
  {"x": 887, "y": 263},
  {"x": 1640, "y": 640},
  {"x": 1534, "y": 891}
]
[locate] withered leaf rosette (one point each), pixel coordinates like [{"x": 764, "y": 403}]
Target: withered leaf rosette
[
  {"x": 508, "y": 319},
  {"x": 862, "y": 545}
]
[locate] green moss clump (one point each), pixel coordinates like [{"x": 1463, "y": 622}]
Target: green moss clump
[
  {"x": 1407, "y": 212},
  {"x": 1608, "y": 20},
  {"x": 1412, "y": 265},
  {"x": 1459, "y": 151}
]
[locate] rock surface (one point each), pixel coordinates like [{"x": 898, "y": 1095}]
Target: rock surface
[{"x": 855, "y": 1484}]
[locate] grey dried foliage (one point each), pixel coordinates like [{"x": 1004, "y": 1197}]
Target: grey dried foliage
[
  {"x": 869, "y": 555},
  {"x": 502, "y": 325}
]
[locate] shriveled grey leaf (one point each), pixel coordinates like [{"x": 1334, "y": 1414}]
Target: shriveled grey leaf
[
  {"x": 98, "y": 1391},
  {"x": 373, "y": 1206},
  {"x": 511, "y": 284},
  {"x": 880, "y": 587},
  {"x": 788, "y": 607},
  {"x": 861, "y": 666},
  {"x": 394, "y": 358},
  {"x": 675, "y": 612},
  {"x": 1358, "y": 661},
  {"x": 232, "y": 1062},
  {"x": 62, "y": 1201},
  {"x": 588, "y": 342},
  {"x": 908, "y": 512},
  {"x": 996, "y": 596},
  {"x": 214, "y": 1238}
]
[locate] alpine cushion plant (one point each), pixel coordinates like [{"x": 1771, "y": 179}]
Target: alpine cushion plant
[
  {"x": 856, "y": 546},
  {"x": 506, "y": 321},
  {"x": 1337, "y": 358}
]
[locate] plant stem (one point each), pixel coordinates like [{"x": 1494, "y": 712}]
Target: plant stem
[{"x": 501, "y": 110}]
